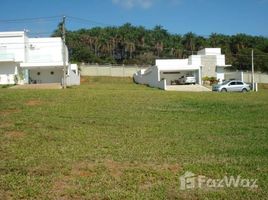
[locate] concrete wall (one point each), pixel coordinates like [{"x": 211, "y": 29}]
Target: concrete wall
[
  {"x": 246, "y": 76},
  {"x": 233, "y": 75},
  {"x": 209, "y": 66},
  {"x": 108, "y": 70}
]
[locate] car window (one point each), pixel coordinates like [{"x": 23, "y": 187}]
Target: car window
[
  {"x": 232, "y": 83},
  {"x": 239, "y": 83}
]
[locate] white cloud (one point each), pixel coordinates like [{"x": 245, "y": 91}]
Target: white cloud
[{"x": 145, "y": 4}]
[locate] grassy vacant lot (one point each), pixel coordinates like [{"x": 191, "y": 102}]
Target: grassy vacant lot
[{"x": 112, "y": 139}]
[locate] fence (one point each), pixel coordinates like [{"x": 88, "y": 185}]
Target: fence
[
  {"x": 246, "y": 76},
  {"x": 110, "y": 70}
]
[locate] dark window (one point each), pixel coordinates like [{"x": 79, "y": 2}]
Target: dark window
[
  {"x": 171, "y": 72},
  {"x": 232, "y": 83},
  {"x": 38, "y": 73},
  {"x": 239, "y": 83},
  {"x": 52, "y": 73}
]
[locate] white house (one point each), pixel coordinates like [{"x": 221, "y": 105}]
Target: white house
[
  {"x": 25, "y": 60},
  {"x": 208, "y": 62}
]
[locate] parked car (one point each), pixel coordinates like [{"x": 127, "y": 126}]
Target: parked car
[
  {"x": 231, "y": 86},
  {"x": 188, "y": 79}
]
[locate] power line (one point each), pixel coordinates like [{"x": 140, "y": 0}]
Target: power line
[
  {"x": 88, "y": 21},
  {"x": 37, "y": 19}
]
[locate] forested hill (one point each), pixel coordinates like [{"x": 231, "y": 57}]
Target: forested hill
[{"x": 130, "y": 44}]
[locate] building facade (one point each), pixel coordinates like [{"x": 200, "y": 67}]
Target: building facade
[
  {"x": 25, "y": 60},
  {"x": 208, "y": 62}
]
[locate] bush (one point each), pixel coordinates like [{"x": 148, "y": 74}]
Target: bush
[{"x": 210, "y": 80}]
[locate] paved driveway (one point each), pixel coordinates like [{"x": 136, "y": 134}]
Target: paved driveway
[
  {"x": 188, "y": 88},
  {"x": 38, "y": 86}
]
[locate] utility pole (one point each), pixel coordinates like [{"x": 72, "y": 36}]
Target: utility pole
[
  {"x": 64, "y": 52},
  {"x": 252, "y": 71}
]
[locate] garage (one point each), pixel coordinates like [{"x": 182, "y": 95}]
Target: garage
[
  {"x": 181, "y": 77},
  {"x": 51, "y": 75}
]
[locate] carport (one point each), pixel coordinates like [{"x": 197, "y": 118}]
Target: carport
[
  {"x": 173, "y": 69},
  {"x": 42, "y": 73},
  {"x": 173, "y": 76}
]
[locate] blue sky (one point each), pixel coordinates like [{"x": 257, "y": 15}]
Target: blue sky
[{"x": 177, "y": 16}]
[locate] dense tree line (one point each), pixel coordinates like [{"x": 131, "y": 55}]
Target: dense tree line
[{"x": 130, "y": 44}]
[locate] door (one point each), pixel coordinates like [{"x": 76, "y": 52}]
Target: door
[{"x": 232, "y": 86}]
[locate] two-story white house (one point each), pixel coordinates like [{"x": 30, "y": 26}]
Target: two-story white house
[{"x": 25, "y": 60}]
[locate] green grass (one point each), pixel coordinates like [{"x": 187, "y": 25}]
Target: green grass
[{"x": 112, "y": 139}]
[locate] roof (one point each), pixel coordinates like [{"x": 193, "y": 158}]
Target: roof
[
  {"x": 175, "y": 65},
  {"x": 178, "y": 68},
  {"x": 42, "y": 65},
  {"x": 12, "y": 33}
]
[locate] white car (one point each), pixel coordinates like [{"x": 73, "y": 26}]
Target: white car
[
  {"x": 231, "y": 86},
  {"x": 188, "y": 79}
]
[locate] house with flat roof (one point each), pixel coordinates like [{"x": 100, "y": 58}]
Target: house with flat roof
[
  {"x": 208, "y": 62},
  {"x": 25, "y": 60}
]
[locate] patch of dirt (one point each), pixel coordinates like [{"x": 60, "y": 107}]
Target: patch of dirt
[
  {"x": 33, "y": 102},
  {"x": 41, "y": 170},
  {"x": 83, "y": 169},
  {"x": 59, "y": 188},
  {"x": 15, "y": 134},
  {"x": 9, "y": 111},
  {"x": 116, "y": 169},
  {"x": 5, "y": 195},
  {"x": 5, "y": 124},
  {"x": 63, "y": 185},
  {"x": 83, "y": 79},
  {"x": 146, "y": 186}
]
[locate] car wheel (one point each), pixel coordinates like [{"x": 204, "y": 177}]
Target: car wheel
[
  {"x": 223, "y": 90},
  {"x": 244, "y": 90}
]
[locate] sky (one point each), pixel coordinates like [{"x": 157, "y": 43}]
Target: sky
[{"x": 202, "y": 17}]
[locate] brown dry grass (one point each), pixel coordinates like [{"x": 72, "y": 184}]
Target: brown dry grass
[
  {"x": 116, "y": 169},
  {"x": 33, "y": 102},
  {"x": 9, "y": 111},
  {"x": 15, "y": 134}
]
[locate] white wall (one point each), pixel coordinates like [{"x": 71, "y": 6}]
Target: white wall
[
  {"x": 12, "y": 46},
  {"x": 162, "y": 63},
  {"x": 45, "y": 50},
  {"x": 73, "y": 78},
  {"x": 46, "y": 76},
  {"x": 7, "y": 72},
  {"x": 195, "y": 60},
  {"x": 220, "y": 74},
  {"x": 220, "y": 60},
  {"x": 210, "y": 51},
  {"x": 150, "y": 77}
]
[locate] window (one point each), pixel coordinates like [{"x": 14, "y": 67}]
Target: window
[
  {"x": 239, "y": 83},
  {"x": 232, "y": 83},
  {"x": 171, "y": 72},
  {"x": 38, "y": 73},
  {"x": 52, "y": 73}
]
